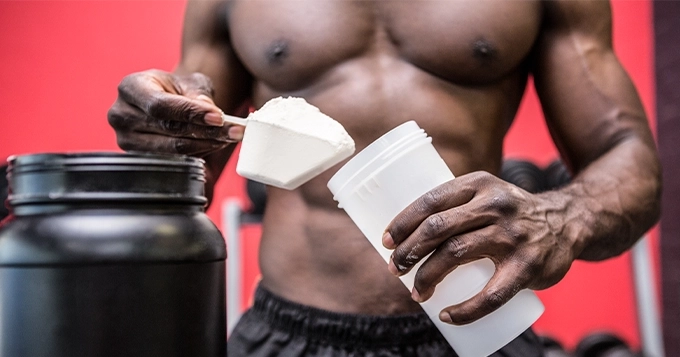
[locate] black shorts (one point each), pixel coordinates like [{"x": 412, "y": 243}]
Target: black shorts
[{"x": 277, "y": 327}]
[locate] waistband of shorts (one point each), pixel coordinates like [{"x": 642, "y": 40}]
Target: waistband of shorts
[{"x": 341, "y": 328}]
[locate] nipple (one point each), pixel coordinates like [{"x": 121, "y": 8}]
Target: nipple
[
  {"x": 277, "y": 52},
  {"x": 484, "y": 50}
]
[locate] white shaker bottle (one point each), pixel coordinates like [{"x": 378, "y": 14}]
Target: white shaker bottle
[{"x": 382, "y": 180}]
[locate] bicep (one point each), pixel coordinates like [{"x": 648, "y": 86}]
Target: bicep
[
  {"x": 589, "y": 102},
  {"x": 206, "y": 48}
]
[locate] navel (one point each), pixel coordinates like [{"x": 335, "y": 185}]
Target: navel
[{"x": 277, "y": 52}]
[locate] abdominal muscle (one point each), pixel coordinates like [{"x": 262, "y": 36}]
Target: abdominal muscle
[
  {"x": 317, "y": 257},
  {"x": 311, "y": 252}
]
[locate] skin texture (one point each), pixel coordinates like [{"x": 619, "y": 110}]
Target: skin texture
[{"x": 457, "y": 67}]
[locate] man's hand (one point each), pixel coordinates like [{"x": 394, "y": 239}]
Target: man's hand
[
  {"x": 160, "y": 112},
  {"x": 472, "y": 217}
]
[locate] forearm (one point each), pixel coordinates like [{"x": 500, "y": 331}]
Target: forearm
[
  {"x": 217, "y": 157},
  {"x": 233, "y": 101},
  {"x": 610, "y": 203}
]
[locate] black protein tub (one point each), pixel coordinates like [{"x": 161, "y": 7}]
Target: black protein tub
[{"x": 110, "y": 254}]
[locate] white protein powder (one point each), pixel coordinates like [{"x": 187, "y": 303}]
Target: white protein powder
[{"x": 288, "y": 141}]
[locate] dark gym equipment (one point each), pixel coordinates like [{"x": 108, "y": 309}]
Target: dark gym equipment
[
  {"x": 552, "y": 348},
  {"x": 528, "y": 176},
  {"x": 524, "y": 174},
  {"x": 603, "y": 344},
  {"x": 556, "y": 175}
]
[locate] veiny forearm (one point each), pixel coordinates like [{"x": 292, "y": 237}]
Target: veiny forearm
[{"x": 611, "y": 203}]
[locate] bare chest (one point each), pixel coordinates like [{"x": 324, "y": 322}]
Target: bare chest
[{"x": 290, "y": 43}]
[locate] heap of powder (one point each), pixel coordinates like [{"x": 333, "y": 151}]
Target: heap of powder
[
  {"x": 298, "y": 116},
  {"x": 288, "y": 141}
]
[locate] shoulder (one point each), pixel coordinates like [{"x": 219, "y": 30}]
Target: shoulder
[
  {"x": 206, "y": 20},
  {"x": 578, "y": 16}
]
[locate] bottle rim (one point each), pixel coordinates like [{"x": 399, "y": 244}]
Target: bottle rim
[
  {"x": 394, "y": 142},
  {"x": 63, "y": 178}
]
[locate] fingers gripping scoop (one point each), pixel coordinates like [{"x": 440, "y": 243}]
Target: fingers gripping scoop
[{"x": 288, "y": 142}]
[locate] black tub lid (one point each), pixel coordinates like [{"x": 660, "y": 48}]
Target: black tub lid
[{"x": 105, "y": 176}]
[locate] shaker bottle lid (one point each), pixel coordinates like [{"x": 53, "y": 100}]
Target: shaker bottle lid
[{"x": 371, "y": 153}]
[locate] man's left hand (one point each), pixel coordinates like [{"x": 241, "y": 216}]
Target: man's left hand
[{"x": 479, "y": 216}]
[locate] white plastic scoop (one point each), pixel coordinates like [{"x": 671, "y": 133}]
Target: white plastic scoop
[
  {"x": 234, "y": 120},
  {"x": 288, "y": 142}
]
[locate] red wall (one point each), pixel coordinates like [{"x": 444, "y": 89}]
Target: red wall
[{"x": 60, "y": 63}]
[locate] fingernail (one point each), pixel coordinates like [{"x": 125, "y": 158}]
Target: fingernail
[
  {"x": 445, "y": 317},
  {"x": 205, "y": 98},
  {"x": 387, "y": 240},
  {"x": 213, "y": 119},
  {"x": 236, "y": 132},
  {"x": 392, "y": 268},
  {"x": 415, "y": 295}
]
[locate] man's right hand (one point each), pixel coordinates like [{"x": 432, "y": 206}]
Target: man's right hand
[{"x": 160, "y": 112}]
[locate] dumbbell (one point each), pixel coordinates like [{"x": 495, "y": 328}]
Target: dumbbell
[
  {"x": 552, "y": 348},
  {"x": 556, "y": 175},
  {"x": 523, "y": 174},
  {"x": 603, "y": 344}
]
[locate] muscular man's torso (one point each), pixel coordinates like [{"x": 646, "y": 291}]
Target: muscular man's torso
[{"x": 458, "y": 68}]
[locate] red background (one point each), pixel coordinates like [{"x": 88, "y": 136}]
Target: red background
[{"x": 60, "y": 63}]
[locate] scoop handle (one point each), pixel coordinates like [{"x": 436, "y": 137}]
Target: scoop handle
[{"x": 234, "y": 120}]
